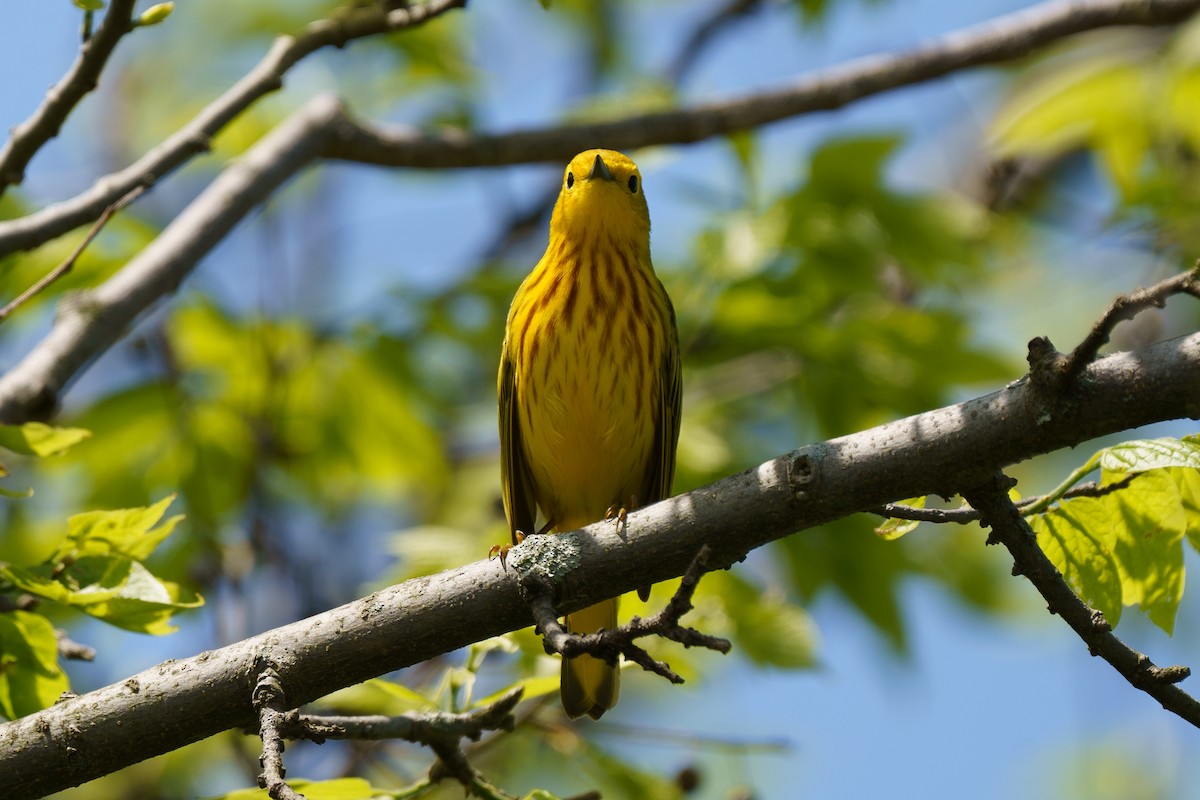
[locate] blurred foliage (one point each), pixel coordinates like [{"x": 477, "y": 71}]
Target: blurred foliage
[
  {"x": 1128, "y": 98},
  {"x": 818, "y": 295},
  {"x": 98, "y": 567}
]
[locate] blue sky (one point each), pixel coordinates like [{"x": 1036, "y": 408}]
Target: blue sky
[{"x": 981, "y": 708}]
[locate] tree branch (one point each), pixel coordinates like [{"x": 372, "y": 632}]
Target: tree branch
[
  {"x": 183, "y": 701},
  {"x": 995, "y": 42},
  {"x": 1000, "y": 40},
  {"x": 1010, "y": 529},
  {"x": 40, "y": 227},
  {"x": 29, "y": 136}
]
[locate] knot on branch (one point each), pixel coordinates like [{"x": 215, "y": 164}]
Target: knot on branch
[{"x": 609, "y": 645}]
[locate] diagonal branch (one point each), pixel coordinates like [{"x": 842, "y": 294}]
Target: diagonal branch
[
  {"x": 1001, "y": 40},
  {"x": 193, "y": 138},
  {"x": 183, "y": 701},
  {"x": 29, "y": 136},
  {"x": 69, "y": 263},
  {"x": 1010, "y": 529}
]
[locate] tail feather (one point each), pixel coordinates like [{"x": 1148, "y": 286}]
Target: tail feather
[{"x": 589, "y": 685}]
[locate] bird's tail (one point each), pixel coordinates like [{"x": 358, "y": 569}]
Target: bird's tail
[{"x": 590, "y": 685}]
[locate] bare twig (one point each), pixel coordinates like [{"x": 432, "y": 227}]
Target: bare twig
[
  {"x": 273, "y": 718},
  {"x": 442, "y": 732},
  {"x": 965, "y": 514},
  {"x": 29, "y": 136},
  {"x": 69, "y": 263},
  {"x": 1052, "y": 372},
  {"x": 1126, "y": 307},
  {"x": 70, "y": 649},
  {"x": 611, "y": 644},
  {"x": 1009, "y": 528},
  {"x": 194, "y": 137}
]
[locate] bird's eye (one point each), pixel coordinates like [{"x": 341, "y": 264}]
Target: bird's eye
[
  {"x": 570, "y": 179},
  {"x": 633, "y": 182}
]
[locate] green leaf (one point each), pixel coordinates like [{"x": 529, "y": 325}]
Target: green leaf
[
  {"x": 98, "y": 570},
  {"x": 40, "y": 439},
  {"x": 893, "y": 529},
  {"x": 113, "y": 588},
  {"x": 378, "y": 696},
  {"x": 129, "y": 532},
  {"x": 1148, "y": 545},
  {"x": 30, "y": 677},
  {"x": 1101, "y": 101},
  {"x": 89, "y": 5},
  {"x": 1125, "y": 547},
  {"x": 1071, "y": 536},
  {"x": 1141, "y": 455}
]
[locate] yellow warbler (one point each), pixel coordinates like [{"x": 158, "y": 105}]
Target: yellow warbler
[{"x": 589, "y": 383}]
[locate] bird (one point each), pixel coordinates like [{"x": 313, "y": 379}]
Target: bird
[{"x": 589, "y": 384}]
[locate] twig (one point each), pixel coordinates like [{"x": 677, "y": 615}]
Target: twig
[
  {"x": 1054, "y": 371},
  {"x": 442, "y": 732},
  {"x": 1009, "y": 528},
  {"x": 610, "y": 644},
  {"x": 193, "y": 138},
  {"x": 273, "y": 718},
  {"x": 966, "y": 514},
  {"x": 29, "y": 136},
  {"x": 68, "y": 264},
  {"x": 70, "y": 649}
]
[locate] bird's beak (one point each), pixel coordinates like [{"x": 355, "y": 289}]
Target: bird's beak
[{"x": 600, "y": 170}]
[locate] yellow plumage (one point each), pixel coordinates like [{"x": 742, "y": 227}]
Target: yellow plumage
[{"x": 589, "y": 382}]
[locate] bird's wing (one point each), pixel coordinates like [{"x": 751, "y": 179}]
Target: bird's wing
[
  {"x": 660, "y": 472},
  {"x": 519, "y": 504}
]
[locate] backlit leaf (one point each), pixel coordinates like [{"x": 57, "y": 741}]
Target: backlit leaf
[{"x": 30, "y": 677}]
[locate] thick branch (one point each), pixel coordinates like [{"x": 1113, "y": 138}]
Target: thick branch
[
  {"x": 995, "y": 42},
  {"x": 1010, "y": 529},
  {"x": 183, "y": 701},
  {"x": 28, "y": 232},
  {"x": 29, "y": 136}
]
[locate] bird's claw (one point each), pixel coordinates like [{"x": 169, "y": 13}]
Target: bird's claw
[
  {"x": 501, "y": 550},
  {"x": 616, "y": 514}
]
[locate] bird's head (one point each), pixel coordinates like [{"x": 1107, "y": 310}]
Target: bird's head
[{"x": 602, "y": 195}]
